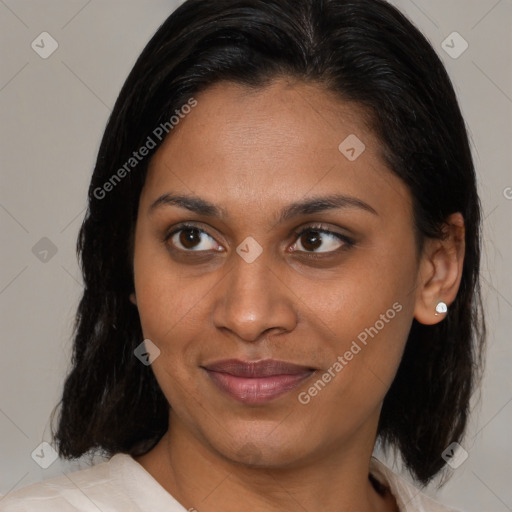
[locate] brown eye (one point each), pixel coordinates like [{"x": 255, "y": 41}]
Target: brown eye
[
  {"x": 189, "y": 238},
  {"x": 319, "y": 241},
  {"x": 311, "y": 240},
  {"x": 192, "y": 239}
]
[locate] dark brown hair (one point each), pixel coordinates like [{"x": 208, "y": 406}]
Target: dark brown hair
[{"x": 367, "y": 53}]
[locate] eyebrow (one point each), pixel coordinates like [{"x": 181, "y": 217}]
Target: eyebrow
[
  {"x": 305, "y": 207},
  {"x": 189, "y": 202}
]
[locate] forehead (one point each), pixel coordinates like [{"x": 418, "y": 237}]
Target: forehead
[{"x": 245, "y": 147}]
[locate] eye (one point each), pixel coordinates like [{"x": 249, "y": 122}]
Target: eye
[
  {"x": 317, "y": 239},
  {"x": 191, "y": 238}
]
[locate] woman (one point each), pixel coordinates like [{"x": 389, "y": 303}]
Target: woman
[{"x": 281, "y": 267}]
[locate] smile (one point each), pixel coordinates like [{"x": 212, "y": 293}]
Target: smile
[{"x": 255, "y": 383}]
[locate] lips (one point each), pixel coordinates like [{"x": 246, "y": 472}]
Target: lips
[{"x": 256, "y": 382}]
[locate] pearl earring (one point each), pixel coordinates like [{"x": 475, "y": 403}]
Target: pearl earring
[{"x": 441, "y": 308}]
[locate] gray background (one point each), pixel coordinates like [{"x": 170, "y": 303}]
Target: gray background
[{"x": 53, "y": 112}]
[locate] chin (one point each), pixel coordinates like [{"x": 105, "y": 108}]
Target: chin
[{"x": 267, "y": 454}]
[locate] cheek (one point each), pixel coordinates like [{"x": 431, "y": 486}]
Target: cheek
[
  {"x": 156, "y": 288},
  {"x": 367, "y": 287},
  {"x": 169, "y": 307},
  {"x": 361, "y": 363},
  {"x": 169, "y": 311},
  {"x": 369, "y": 309}
]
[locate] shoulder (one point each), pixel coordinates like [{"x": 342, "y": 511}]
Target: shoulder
[
  {"x": 408, "y": 497},
  {"x": 120, "y": 483},
  {"x": 92, "y": 489}
]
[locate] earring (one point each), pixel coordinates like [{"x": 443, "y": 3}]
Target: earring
[{"x": 441, "y": 308}]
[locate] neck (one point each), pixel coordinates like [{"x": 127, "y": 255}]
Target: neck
[{"x": 203, "y": 479}]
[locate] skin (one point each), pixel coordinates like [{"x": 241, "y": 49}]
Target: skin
[{"x": 252, "y": 153}]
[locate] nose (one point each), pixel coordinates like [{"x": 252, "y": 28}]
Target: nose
[{"x": 252, "y": 299}]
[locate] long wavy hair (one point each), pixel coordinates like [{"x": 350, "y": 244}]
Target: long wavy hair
[{"x": 370, "y": 55}]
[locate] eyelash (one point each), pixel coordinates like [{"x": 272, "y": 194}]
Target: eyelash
[
  {"x": 347, "y": 242},
  {"x": 318, "y": 228}
]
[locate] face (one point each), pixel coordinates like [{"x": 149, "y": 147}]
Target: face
[{"x": 260, "y": 238}]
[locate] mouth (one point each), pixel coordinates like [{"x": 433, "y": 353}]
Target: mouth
[{"x": 257, "y": 382}]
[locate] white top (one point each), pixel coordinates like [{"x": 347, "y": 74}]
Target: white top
[{"x": 123, "y": 485}]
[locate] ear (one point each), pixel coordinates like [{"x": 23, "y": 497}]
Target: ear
[
  {"x": 440, "y": 271},
  {"x": 133, "y": 299}
]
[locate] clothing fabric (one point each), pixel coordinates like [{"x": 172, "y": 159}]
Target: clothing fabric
[{"x": 121, "y": 484}]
